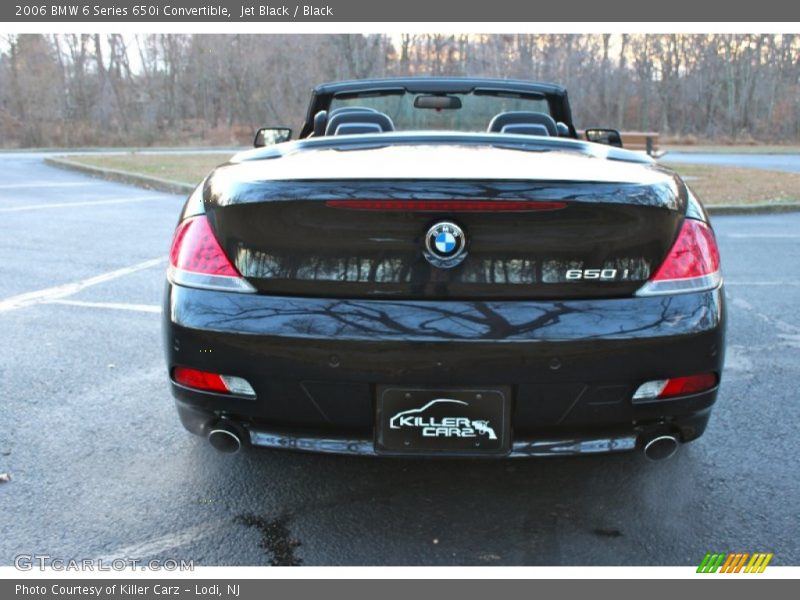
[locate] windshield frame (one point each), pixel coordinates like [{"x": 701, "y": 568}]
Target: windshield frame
[{"x": 555, "y": 95}]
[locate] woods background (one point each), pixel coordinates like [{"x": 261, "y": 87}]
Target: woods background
[{"x": 172, "y": 89}]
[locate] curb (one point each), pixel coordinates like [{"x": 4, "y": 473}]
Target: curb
[
  {"x": 145, "y": 181},
  {"x": 176, "y": 187},
  {"x": 752, "y": 209}
]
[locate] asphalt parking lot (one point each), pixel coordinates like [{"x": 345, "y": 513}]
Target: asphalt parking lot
[{"x": 101, "y": 467}]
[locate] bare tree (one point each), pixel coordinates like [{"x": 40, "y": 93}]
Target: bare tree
[{"x": 170, "y": 88}]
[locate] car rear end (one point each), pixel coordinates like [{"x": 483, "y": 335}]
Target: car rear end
[{"x": 306, "y": 306}]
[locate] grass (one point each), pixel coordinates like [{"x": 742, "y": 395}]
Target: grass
[
  {"x": 713, "y": 184},
  {"x": 735, "y": 185},
  {"x": 181, "y": 168}
]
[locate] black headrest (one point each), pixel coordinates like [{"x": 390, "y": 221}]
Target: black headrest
[
  {"x": 375, "y": 117},
  {"x": 320, "y": 120},
  {"x": 353, "y": 128},
  {"x": 525, "y": 129},
  {"x": 349, "y": 109},
  {"x": 520, "y": 116}
]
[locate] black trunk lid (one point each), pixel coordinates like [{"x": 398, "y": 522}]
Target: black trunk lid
[{"x": 583, "y": 239}]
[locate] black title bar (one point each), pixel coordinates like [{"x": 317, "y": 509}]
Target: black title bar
[{"x": 441, "y": 11}]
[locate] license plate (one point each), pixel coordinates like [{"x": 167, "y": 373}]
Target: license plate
[{"x": 442, "y": 421}]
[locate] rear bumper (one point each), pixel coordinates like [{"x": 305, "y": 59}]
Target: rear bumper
[
  {"x": 519, "y": 449},
  {"x": 359, "y": 444},
  {"x": 572, "y": 365}
]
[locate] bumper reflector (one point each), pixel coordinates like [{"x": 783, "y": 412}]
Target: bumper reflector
[
  {"x": 676, "y": 386},
  {"x": 213, "y": 382},
  {"x": 238, "y": 386}
]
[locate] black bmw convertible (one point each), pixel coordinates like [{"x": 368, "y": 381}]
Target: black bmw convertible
[{"x": 441, "y": 267}]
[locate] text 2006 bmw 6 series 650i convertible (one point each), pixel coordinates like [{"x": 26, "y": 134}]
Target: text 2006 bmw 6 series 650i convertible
[{"x": 440, "y": 267}]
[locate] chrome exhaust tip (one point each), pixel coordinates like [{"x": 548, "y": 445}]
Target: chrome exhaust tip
[
  {"x": 224, "y": 439},
  {"x": 661, "y": 447}
]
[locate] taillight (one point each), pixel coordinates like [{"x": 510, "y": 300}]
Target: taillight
[
  {"x": 212, "y": 382},
  {"x": 692, "y": 264},
  {"x": 675, "y": 386},
  {"x": 196, "y": 259}
]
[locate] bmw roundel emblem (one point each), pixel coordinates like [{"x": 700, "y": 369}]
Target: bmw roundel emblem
[{"x": 445, "y": 244}]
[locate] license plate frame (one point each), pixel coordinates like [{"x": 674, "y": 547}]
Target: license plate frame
[{"x": 435, "y": 421}]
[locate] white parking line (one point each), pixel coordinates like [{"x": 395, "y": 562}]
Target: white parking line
[
  {"x": 762, "y": 283},
  {"x": 161, "y": 544},
  {"x": 148, "y": 308},
  {"x": 785, "y": 329},
  {"x": 763, "y": 236},
  {"x": 15, "y": 186},
  {"x": 68, "y": 289},
  {"x": 84, "y": 203}
]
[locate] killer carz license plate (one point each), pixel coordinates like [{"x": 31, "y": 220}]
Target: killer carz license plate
[{"x": 442, "y": 421}]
